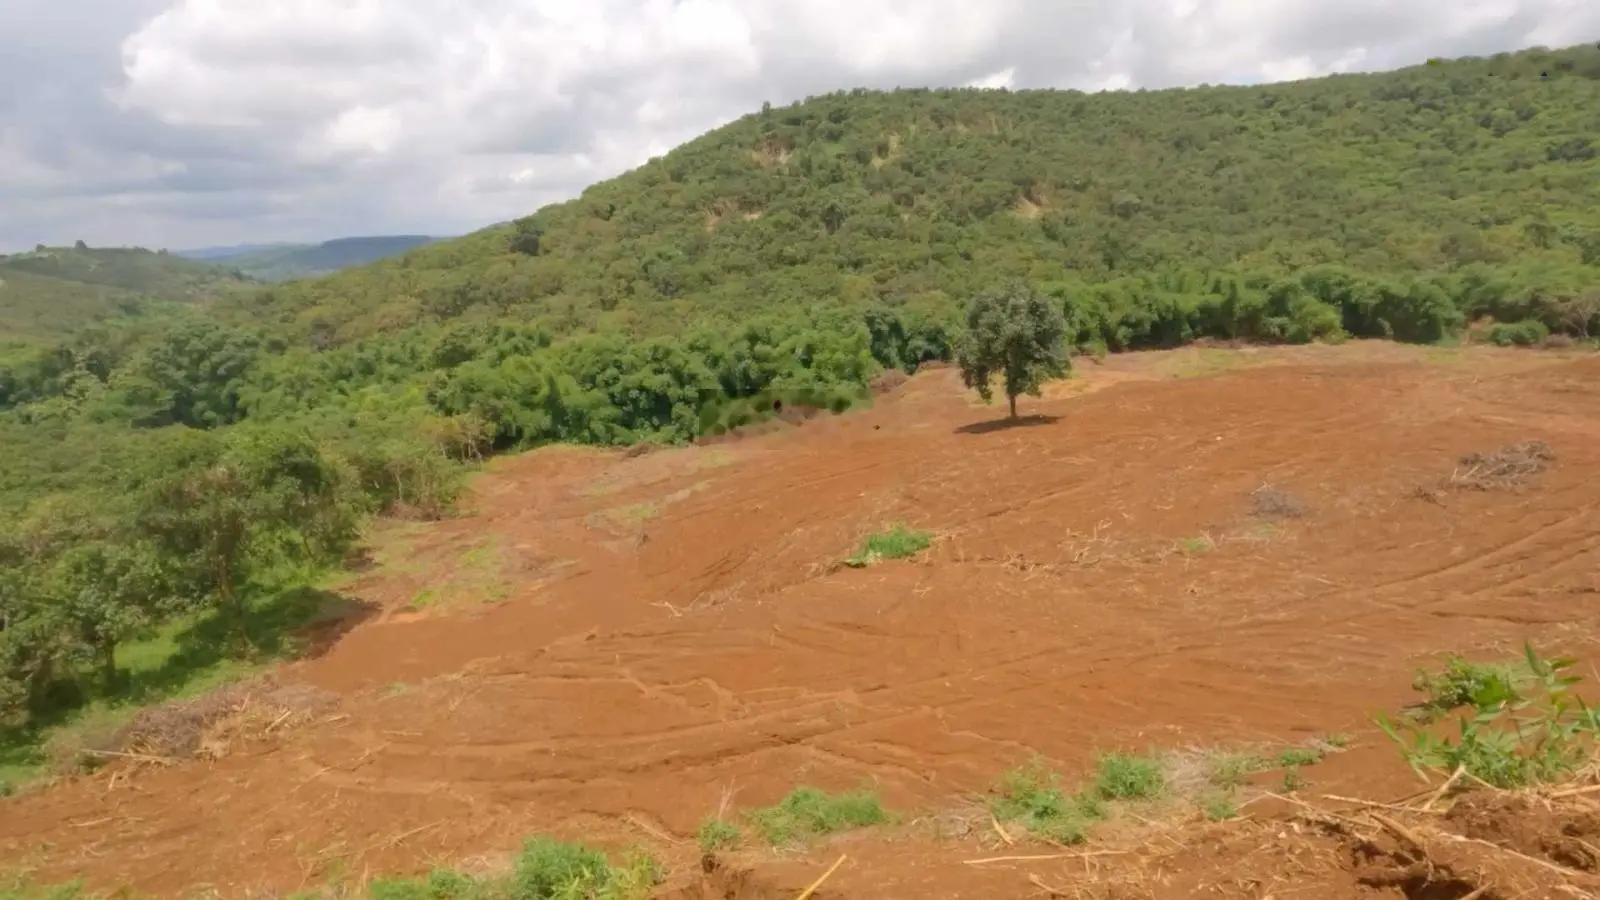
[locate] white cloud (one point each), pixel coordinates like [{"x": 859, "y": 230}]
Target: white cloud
[
  {"x": 1005, "y": 78},
  {"x": 320, "y": 117}
]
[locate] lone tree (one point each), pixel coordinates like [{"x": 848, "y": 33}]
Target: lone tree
[{"x": 1017, "y": 333}]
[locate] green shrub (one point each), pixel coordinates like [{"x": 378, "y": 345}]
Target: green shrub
[
  {"x": 1527, "y": 333},
  {"x": 715, "y": 834},
  {"x": 1120, "y": 776},
  {"x": 1463, "y": 683},
  {"x": 1525, "y": 727}
]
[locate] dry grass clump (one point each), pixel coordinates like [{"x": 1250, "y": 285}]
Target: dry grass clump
[
  {"x": 1504, "y": 468},
  {"x": 888, "y": 381},
  {"x": 1273, "y": 504},
  {"x": 206, "y": 727}
]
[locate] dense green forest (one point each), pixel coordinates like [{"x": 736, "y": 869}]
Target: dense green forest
[
  {"x": 285, "y": 262},
  {"x": 171, "y": 472}
]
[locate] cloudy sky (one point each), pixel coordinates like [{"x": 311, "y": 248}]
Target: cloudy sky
[{"x": 182, "y": 123}]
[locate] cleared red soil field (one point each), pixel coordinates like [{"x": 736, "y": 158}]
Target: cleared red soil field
[{"x": 673, "y": 627}]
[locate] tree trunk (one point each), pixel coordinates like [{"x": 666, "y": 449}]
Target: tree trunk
[
  {"x": 1013, "y": 399},
  {"x": 233, "y": 608},
  {"x": 108, "y": 664}
]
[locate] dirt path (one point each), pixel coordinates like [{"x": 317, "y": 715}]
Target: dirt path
[{"x": 674, "y": 626}]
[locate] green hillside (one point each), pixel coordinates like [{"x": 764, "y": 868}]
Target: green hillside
[
  {"x": 289, "y": 261},
  {"x": 53, "y": 292},
  {"x": 1478, "y": 165},
  {"x": 135, "y": 269}
]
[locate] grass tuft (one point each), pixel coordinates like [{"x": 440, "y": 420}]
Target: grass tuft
[
  {"x": 544, "y": 870},
  {"x": 1120, "y": 776},
  {"x": 1230, "y": 770},
  {"x": 1296, "y": 757},
  {"x": 1219, "y": 807},
  {"x": 899, "y": 542},
  {"x": 715, "y": 834},
  {"x": 808, "y": 813},
  {"x": 1031, "y": 796}
]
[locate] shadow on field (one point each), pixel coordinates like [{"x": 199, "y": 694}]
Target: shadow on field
[
  {"x": 293, "y": 623},
  {"x": 989, "y": 425}
]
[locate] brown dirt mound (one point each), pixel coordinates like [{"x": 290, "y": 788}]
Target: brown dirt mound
[{"x": 1099, "y": 582}]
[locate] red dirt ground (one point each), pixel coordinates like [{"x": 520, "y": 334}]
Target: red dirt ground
[{"x": 674, "y": 626}]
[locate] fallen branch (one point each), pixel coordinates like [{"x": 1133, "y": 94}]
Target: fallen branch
[
  {"x": 818, "y": 883},
  {"x": 654, "y": 832},
  {"x": 141, "y": 757},
  {"x": 1399, "y": 831},
  {"x": 1444, "y": 788},
  {"x": 1082, "y": 854},
  {"x": 1039, "y": 883},
  {"x": 1356, "y": 801},
  {"x": 1317, "y": 810},
  {"x": 1561, "y": 870}
]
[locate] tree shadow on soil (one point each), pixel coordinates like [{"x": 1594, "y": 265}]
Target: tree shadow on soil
[
  {"x": 297, "y": 623},
  {"x": 989, "y": 425}
]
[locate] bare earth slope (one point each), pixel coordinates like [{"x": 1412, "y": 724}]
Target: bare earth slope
[{"x": 673, "y": 627}]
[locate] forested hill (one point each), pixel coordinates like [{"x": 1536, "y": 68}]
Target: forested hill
[
  {"x": 51, "y": 293},
  {"x": 924, "y": 196}
]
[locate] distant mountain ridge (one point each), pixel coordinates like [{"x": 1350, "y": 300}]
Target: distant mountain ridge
[
  {"x": 213, "y": 254},
  {"x": 283, "y": 262}
]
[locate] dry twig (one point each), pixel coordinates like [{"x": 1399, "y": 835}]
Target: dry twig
[{"x": 818, "y": 883}]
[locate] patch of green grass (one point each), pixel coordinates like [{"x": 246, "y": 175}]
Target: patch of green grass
[
  {"x": 479, "y": 574},
  {"x": 899, "y": 542},
  {"x": 625, "y": 516},
  {"x": 1120, "y": 776},
  {"x": 1293, "y": 780},
  {"x": 1197, "y": 546},
  {"x": 1032, "y": 797},
  {"x": 544, "y": 870},
  {"x": 1219, "y": 806},
  {"x": 808, "y": 813},
  {"x": 1336, "y": 741},
  {"x": 1229, "y": 770},
  {"x": 1297, "y": 757},
  {"x": 1198, "y": 362},
  {"x": 22, "y": 889},
  {"x": 716, "y": 834}
]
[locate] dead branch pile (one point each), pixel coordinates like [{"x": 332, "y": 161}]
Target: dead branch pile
[
  {"x": 1504, "y": 468},
  {"x": 206, "y": 727}
]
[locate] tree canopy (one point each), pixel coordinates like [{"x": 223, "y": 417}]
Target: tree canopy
[{"x": 1017, "y": 333}]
